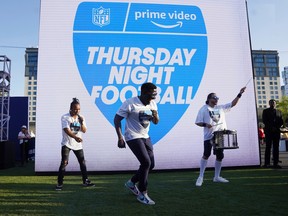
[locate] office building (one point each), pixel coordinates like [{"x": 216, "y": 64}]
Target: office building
[
  {"x": 285, "y": 81},
  {"x": 31, "y": 61},
  {"x": 267, "y": 77}
]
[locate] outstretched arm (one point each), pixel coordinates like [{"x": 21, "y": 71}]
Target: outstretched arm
[{"x": 235, "y": 101}]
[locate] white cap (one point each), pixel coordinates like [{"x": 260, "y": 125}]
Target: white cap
[{"x": 24, "y": 126}]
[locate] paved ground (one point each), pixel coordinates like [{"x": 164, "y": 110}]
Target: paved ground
[{"x": 283, "y": 155}]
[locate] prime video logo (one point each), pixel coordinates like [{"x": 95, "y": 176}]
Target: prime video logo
[{"x": 119, "y": 46}]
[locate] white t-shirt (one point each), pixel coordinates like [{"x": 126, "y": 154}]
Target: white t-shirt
[
  {"x": 24, "y": 137},
  {"x": 137, "y": 117},
  {"x": 214, "y": 116},
  {"x": 74, "y": 125}
]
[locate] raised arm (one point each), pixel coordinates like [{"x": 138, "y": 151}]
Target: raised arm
[{"x": 235, "y": 101}]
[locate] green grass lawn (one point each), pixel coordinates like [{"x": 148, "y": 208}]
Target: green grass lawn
[{"x": 254, "y": 191}]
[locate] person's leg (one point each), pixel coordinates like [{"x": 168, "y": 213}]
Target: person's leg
[
  {"x": 64, "y": 162},
  {"x": 203, "y": 165},
  {"x": 149, "y": 148},
  {"x": 80, "y": 157},
  {"x": 143, "y": 150},
  {"x": 206, "y": 155},
  {"x": 144, "y": 153},
  {"x": 131, "y": 183},
  {"x": 26, "y": 151},
  {"x": 218, "y": 162},
  {"x": 204, "y": 161},
  {"x": 22, "y": 153},
  {"x": 268, "y": 151},
  {"x": 275, "y": 152},
  {"x": 218, "y": 165}
]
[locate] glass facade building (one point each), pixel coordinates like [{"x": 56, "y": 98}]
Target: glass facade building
[
  {"x": 267, "y": 76},
  {"x": 285, "y": 81},
  {"x": 31, "y": 62}
]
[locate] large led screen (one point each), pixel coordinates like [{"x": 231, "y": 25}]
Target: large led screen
[{"x": 102, "y": 51}]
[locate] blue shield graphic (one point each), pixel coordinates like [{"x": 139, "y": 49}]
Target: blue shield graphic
[
  {"x": 161, "y": 43},
  {"x": 100, "y": 16}
]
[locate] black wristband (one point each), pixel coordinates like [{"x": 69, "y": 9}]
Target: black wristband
[
  {"x": 239, "y": 95},
  {"x": 204, "y": 125}
]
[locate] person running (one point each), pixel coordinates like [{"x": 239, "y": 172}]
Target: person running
[
  {"x": 212, "y": 118},
  {"x": 139, "y": 111},
  {"x": 73, "y": 125}
]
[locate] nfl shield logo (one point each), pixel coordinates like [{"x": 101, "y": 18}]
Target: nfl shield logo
[{"x": 101, "y": 16}]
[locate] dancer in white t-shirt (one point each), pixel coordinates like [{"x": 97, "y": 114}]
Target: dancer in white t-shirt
[
  {"x": 73, "y": 125},
  {"x": 212, "y": 118},
  {"x": 139, "y": 112}
]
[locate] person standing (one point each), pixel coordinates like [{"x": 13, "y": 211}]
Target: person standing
[
  {"x": 139, "y": 111},
  {"x": 261, "y": 134},
  {"x": 73, "y": 125},
  {"x": 24, "y": 137},
  {"x": 212, "y": 118},
  {"x": 272, "y": 119}
]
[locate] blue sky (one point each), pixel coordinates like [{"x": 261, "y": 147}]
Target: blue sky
[{"x": 20, "y": 28}]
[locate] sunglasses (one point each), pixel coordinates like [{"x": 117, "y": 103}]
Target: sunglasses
[{"x": 215, "y": 98}]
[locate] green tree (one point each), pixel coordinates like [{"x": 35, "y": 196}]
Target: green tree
[{"x": 283, "y": 107}]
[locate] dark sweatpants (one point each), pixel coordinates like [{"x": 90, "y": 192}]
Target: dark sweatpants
[{"x": 143, "y": 150}]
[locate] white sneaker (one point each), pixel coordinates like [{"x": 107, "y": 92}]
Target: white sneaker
[
  {"x": 145, "y": 199},
  {"x": 199, "y": 181},
  {"x": 132, "y": 187},
  {"x": 220, "y": 179}
]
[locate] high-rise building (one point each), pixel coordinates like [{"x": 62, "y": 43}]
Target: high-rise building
[
  {"x": 31, "y": 61},
  {"x": 267, "y": 76},
  {"x": 285, "y": 81}
]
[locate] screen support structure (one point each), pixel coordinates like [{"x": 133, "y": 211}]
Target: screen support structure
[{"x": 5, "y": 78}]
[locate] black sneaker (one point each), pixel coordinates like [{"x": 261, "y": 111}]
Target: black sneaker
[
  {"x": 276, "y": 166},
  {"x": 59, "y": 187},
  {"x": 88, "y": 183}
]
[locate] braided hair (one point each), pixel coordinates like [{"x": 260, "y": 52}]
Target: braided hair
[{"x": 74, "y": 102}]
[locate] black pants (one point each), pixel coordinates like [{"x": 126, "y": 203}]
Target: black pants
[
  {"x": 143, "y": 150},
  {"x": 64, "y": 162},
  {"x": 208, "y": 148},
  {"x": 24, "y": 151},
  {"x": 272, "y": 141}
]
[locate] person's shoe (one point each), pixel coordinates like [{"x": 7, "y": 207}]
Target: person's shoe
[
  {"x": 145, "y": 199},
  {"x": 266, "y": 166},
  {"x": 88, "y": 183},
  {"x": 59, "y": 187},
  {"x": 199, "y": 181},
  {"x": 132, "y": 187},
  {"x": 277, "y": 166},
  {"x": 220, "y": 179}
]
